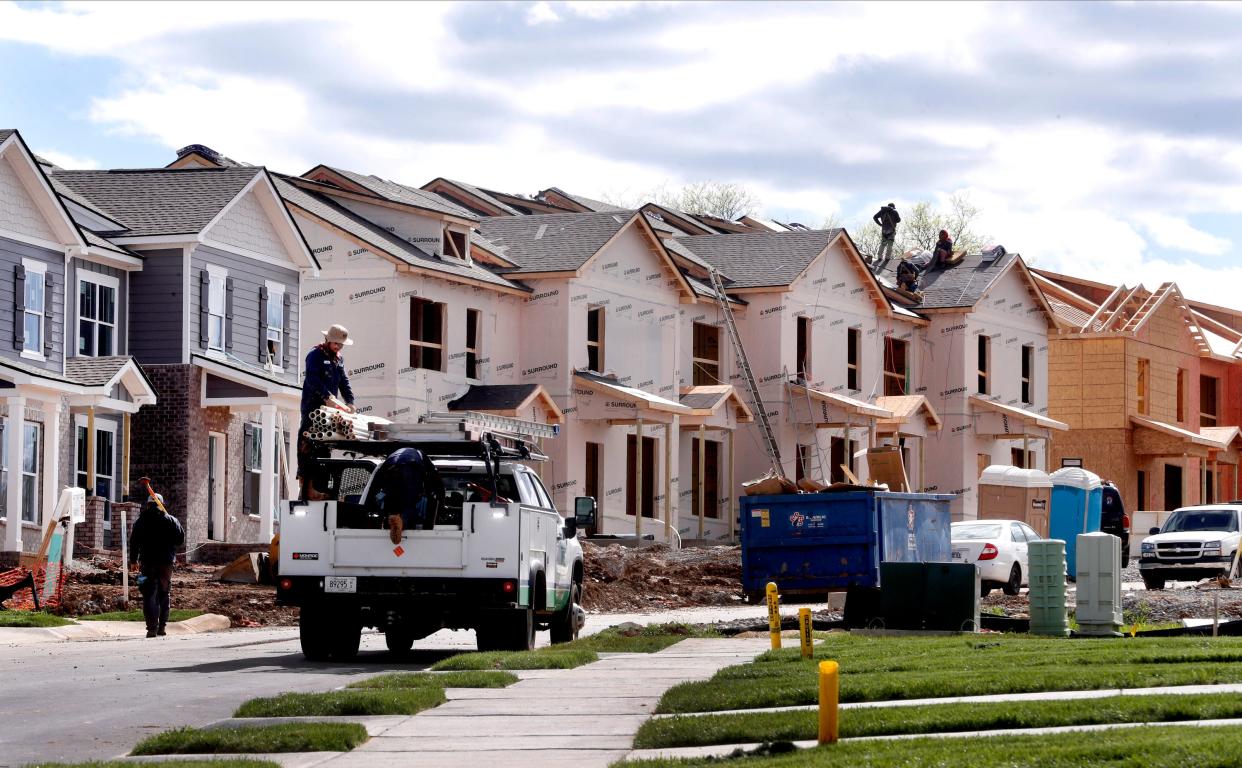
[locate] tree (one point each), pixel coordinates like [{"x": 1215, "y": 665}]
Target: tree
[
  {"x": 724, "y": 200},
  {"x": 920, "y": 228}
]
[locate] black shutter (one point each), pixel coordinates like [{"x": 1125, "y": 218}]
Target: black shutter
[
  {"x": 204, "y": 304},
  {"x": 287, "y": 352},
  {"x": 247, "y": 442},
  {"x": 49, "y": 289},
  {"x": 19, "y": 306},
  {"x": 263, "y": 325},
  {"x": 228, "y": 314}
]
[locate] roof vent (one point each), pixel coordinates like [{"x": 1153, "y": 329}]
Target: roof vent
[
  {"x": 542, "y": 228},
  {"x": 201, "y": 149}
]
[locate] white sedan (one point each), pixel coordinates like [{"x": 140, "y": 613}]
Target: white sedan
[{"x": 998, "y": 548}]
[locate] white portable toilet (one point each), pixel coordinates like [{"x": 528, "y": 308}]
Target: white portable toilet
[
  {"x": 1014, "y": 493},
  {"x": 1098, "y": 603}
]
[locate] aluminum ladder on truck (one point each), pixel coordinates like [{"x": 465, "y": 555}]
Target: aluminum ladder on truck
[{"x": 739, "y": 352}]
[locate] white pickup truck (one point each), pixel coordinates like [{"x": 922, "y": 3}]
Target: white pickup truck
[
  {"x": 495, "y": 557},
  {"x": 1194, "y": 543}
]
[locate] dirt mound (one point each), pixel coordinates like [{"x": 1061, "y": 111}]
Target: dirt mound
[
  {"x": 93, "y": 585},
  {"x": 621, "y": 579}
]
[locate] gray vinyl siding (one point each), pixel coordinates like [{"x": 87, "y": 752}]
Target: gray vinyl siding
[
  {"x": 11, "y": 255},
  {"x": 86, "y": 268},
  {"x": 248, "y": 277},
  {"x": 221, "y": 387},
  {"x": 157, "y": 309}
]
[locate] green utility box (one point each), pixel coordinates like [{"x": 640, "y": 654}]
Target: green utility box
[{"x": 930, "y": 596}]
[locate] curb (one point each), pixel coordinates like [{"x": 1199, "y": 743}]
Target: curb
[{"x": 109, "y": 630}]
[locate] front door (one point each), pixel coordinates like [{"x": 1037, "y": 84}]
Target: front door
[
  {"x": 215, "y": 486},
  {"x": 1172, "y": 487}
]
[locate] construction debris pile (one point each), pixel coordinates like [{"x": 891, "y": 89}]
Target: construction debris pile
[
  {"x": 93, "y": 585},
  {"x": 622, "y": 579}
]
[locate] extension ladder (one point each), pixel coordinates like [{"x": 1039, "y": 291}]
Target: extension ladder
[{"x": 743, "y": 363}]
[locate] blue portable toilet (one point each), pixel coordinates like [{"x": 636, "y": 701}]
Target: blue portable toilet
[{"x": 1077, "y": 497}]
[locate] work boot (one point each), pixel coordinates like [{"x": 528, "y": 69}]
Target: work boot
[
  {"x": 150, "y": 633},
  {"x": 161, "y": 631},
  {"x": 395, "y": 527}
]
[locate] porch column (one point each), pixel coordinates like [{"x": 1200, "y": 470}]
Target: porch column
[
  {"x": 668, "y": 481},
  {"x": 125, "y": 433},
  {"x": 90, "y": 450},
  {"x": 267, "y": 472},
  {"x": 638, "y": 479},
  {"x": 732, "y": 506},
  {"x": 289, "y": 423},
  {"x": 13, "y": 499},
  {"x": 51, "y": 461},
  {"x": 699, "y": 486}
]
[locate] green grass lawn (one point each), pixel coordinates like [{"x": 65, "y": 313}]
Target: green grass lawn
[
  {"x": 1165, "y": 747},
  {"x": 557, "y": 657},
  {"x": 883, "y": 668},
  {"x": 292, "y": 737},
  {"x": 31, "y": 619},
  {"x": 696, "y": 730},
  {"x": 644, "y": 639},
  {"x": 394, "y": 701},
  {"x": 465, "y": 679},
  {"x": 177, "y": 614}
]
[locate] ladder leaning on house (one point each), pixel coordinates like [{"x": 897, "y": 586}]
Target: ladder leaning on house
[{"x": 743, "y": 364}]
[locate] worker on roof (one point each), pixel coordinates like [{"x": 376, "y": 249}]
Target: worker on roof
[
  {"x": 887, "y": 218},
  {"x": 325, "y": 384},
  {"x": 907, "y": 276},
  {"x": 943, "y": 251}
]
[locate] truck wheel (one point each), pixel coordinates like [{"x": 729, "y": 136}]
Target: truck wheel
[
  {"x": 516, "y": 631},
  {"x": 1152, "y": 581},
  {"x": 985, "y": 588},
  {"x": 315, "y": 633},
  {"x": 564, "y": 626},
  {"x": 1014, "y": 585},
  {"x": 399, "y": 640},
  {"x": 346, "y": 636}
]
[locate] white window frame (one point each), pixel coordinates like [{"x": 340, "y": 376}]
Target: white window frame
[
  {"x": 37, "y": 271},
  {"x": 276, "y": 298},
  {"x": 101, "y": 425},
  {"x": 99, "y": 281},
  {"x": 256, "y": 428},
  {"x": 217, "y": 276},
  {"x": 4, "y": 468}
]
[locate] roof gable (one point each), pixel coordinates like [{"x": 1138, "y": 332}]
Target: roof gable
[{"x": 29, "y": 207}]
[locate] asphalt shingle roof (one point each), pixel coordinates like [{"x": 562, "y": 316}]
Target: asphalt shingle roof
[
  {"x": 158, "y": 201},
  {"x": 961, "y": 285},
  {"x": 6, "y": 132},
  {"x": 760, "y": 259},
  {"x": 93, "y": 371},
  {"x": 493, "y": 397},
  {"x": 554, "y": 242},
  {"x": 400, "y": 193},
  {"x": 343, "y": 218}
]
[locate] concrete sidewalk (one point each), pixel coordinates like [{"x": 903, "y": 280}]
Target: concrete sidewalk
[{"x": 108, "y": 630}]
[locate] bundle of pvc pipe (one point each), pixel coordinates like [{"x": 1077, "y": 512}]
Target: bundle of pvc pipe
[{"x": 334, "y": 424}]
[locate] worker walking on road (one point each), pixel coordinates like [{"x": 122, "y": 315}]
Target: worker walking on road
[
  {"x": 153, "y": 546},
  {"x": 326, "y": 383},
  {"x": 887, "y": 218}
]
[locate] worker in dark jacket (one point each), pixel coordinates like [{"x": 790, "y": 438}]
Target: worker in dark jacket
[
  {"x": 943, "y": 251},
  {"x": 325, "y": 383},
  {"x": 153, "y": 546},
  {"x": 407, "y": 491},
  {"x": 887, "y": 218}
]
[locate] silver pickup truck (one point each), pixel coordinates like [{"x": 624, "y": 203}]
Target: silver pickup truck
[{"x": 494, "y": 555}]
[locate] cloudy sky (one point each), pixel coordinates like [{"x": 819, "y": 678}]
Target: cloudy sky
[{"x": 1099, "y": 139}]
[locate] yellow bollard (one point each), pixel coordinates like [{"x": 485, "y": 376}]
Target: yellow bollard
[
  {"x": 829, "y": 688},
  {"x": 774, "y": 615},
  {"x": 804, "y": 631}
]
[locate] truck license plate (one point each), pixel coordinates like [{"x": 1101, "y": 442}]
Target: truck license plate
[
  {"x": 957, "y": 554},
  {"x": 340, "y": 584}
]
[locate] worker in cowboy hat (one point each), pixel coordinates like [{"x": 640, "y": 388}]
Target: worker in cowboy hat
[{"x": 326, "y": 384}]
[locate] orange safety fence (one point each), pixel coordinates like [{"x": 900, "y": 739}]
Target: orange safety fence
[{"x": 49, "y": 580}]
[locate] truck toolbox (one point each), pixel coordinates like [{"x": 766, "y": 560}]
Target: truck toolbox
[{"x": 815, "y": 542}]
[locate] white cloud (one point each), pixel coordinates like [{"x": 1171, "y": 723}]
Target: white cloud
[
  {"x": 68, "y": 161},
  {"x": 541, "y": 13},
  {"x": 1177, "y": 234}
]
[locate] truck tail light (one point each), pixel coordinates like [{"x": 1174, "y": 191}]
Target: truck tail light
[
  {"x": 989, "y": 552},
  {"x": 286, "y": 584},
  {"x": 508, "y": 587},
  {"x": 1125, "y": 521}
]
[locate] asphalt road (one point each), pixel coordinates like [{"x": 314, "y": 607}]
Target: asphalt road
[{"x": 94, "y": 700}]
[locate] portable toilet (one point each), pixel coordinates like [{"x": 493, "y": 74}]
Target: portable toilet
[
  {"x": 1013, "y": 493},
  {"x": 1077, "y": 496}
]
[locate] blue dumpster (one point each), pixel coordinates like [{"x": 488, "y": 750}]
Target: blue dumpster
[
  {"x": 1077, "y": 497},
  {"x": 816, "y": 542}
]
